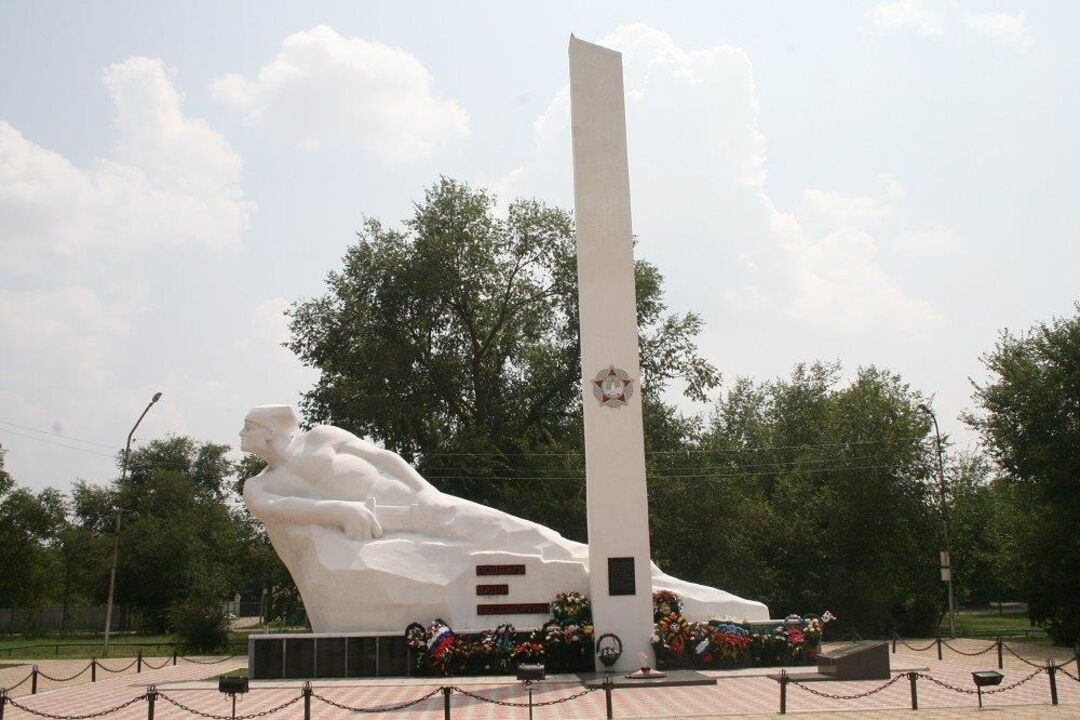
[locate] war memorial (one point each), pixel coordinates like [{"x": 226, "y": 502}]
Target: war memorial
[{"x": 374, "y": 547}]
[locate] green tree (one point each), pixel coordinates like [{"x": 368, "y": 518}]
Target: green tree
[
  {"x": 175, "y": 521},
  {"x": 975, "y": 530},
  {"x": 31, "y": 527},
  {"x": 1029, "y": 419},
  {"x": 454, "y": 341},
  {"x": 818, "y": 499}
]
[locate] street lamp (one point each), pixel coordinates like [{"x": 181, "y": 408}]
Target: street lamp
[
  {"x": 119, "y": 511},
  {"x": 946, "y": 555}
]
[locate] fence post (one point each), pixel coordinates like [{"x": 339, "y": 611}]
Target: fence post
[
  {"x": 306, "y": 690},
  {"x": 1051, "y": 669},
  {"x": 3, "y": 702},
  {"x": 939, "y": 647},
  {"x": 784, "y": 679},
  {"x": 894, "y": 642},
  {"x": 174, "y": 657},
  {"x": 1076, "y": 656},
  {"x": 151, "y": 696},
  {"x": 1001, "y": 659},
  {"x": 138, "y": 661},
  {"x": 607, "y": 697},
  {"x": 33, "y": 680},
  {"x": 446, "y": 702},
  {"x": 93, "y": 669},
  {"x": 913, "y": 677}
]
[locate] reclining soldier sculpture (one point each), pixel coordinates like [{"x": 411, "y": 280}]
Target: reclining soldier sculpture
[{"x": 373, "y": 546}]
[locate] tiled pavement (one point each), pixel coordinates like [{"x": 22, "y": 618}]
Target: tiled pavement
[{"x": 745, "y": 696}]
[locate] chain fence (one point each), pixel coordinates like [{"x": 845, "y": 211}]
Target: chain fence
[
  {"x": 94, "y": 665},
  {"x": 100, "y": 713},
  {"x": 508, "y": 703},
  {"x": 1052, "y": 669},
  {"x": 855, "y": 696},
  {"x": 211, "y": 716},
  {"x": 379, "y": 708}
]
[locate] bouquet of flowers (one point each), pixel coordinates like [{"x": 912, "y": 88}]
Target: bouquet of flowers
[
  {"x": 528, "y": 651},
  {"x": 665, "y": 602},
  {"x": 571, "y": 607}
]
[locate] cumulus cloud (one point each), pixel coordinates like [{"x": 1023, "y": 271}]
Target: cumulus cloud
[
  {"x": 702, "y": 210},
  {"x": 76, "y": 241},
  {"x": 932, "y": 21},
  {"x": 835, "y": 209},
  {"x": 324, "y": 90},
  {"x": 170, "y": 180},
  {"x": 909, "y": 14},
  {"x": 1008, "y": 28}
]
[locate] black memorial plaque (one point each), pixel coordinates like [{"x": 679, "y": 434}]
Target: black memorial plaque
[
  {"x": 620, "y": 576},
  {"x": 269, "y": 659},
  {"x": 330, "y": 657},
  {"x": 393, "y": 656},
  {"x": 300, "y": 658}
]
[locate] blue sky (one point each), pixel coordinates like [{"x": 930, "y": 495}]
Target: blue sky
[{"x": 884, "y": 183}]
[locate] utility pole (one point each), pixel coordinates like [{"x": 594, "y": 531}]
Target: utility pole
[
  {"x": 119, "y": 512},
  {"x": 946, "y": 555}
]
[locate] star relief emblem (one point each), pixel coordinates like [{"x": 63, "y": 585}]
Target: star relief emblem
[{"x": 612, "y": 387}]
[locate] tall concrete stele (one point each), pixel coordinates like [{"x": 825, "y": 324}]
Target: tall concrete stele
[{"x": 619, "y": 557}]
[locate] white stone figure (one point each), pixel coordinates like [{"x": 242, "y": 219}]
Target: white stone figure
[{"x": 373, "y": 546}]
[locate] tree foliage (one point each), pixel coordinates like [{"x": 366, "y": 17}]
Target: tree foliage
[
  {"x": 807, "y": 494},
  {"x": 1029, "y": 419},
  {"x": 454, "y": 341}
]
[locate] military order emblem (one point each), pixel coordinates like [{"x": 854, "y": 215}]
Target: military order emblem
[{"x": 612, "y": 387}]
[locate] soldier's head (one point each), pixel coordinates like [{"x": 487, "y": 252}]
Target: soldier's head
[{"x": 268, "y": 429}]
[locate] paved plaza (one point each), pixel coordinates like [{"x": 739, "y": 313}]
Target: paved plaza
[{"x": 191, "y": 685}]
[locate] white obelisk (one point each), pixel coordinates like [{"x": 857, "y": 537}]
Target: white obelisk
[{"x": 620, "y": 578}]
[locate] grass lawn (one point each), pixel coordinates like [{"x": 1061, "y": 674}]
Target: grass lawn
[
  {"x": 43, "y": 648},
  {"x": 991, "y": 624}
]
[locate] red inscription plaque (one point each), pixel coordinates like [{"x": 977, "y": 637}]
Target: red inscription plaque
[
  {"x": 514, "y": 609},
  {"x": 500, "y": 569},
  {"x": 492, "y": 589}
]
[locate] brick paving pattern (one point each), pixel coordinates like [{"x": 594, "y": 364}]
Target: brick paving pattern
[{"x": 745, "y": 696}]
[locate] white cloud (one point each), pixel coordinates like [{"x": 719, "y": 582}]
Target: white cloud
[
  {"x": 839, "y": 277},
  {"x": 834, "y": 209},
  {"x": 1008, "y": 28},
  {"x": 909, "y": 14},
  {"x": 170, "y": 180},
  {"x": 935, "y": 240},
  {"x": 77, "y": 241},
  {"x": 703, "y": 213},
  {"x": 324, "y": 90}
]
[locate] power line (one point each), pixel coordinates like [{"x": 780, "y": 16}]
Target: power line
[
  {"x": 56, "y": 444},
  {"x": 55, "y": 434},
  {"x": 721, "y": 476},
  {"x": 685, "y": 451}
]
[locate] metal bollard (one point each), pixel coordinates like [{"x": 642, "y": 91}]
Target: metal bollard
[
  {"x": 1001, "y": 659},
  {"x": 939, "y": 648},
  {"x": 3, "y": 702},
  {"x": 174, "y": 657},
  {"x": 529, "y": 685},
  {"x": 607, "y": 697},
  {"x": 151, "y": 697},
  {"x": 894, "y": 642},
  {"x": 33, "y": 680},
  {"x": 783, "y": 691},
  {"x": 93, "y": 669},
  {"x": 913, "y": 677},
  {"x": 138, "y": 662},
  {"x": 307, "y": 700},
  {"x": 1051, "y": 670},
  {"x": 446, "y": 702}
]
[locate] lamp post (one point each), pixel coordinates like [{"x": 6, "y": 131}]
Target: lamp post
[
  {"x": 119, "y": 512},
  {"x": 946, "y": 556}
]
